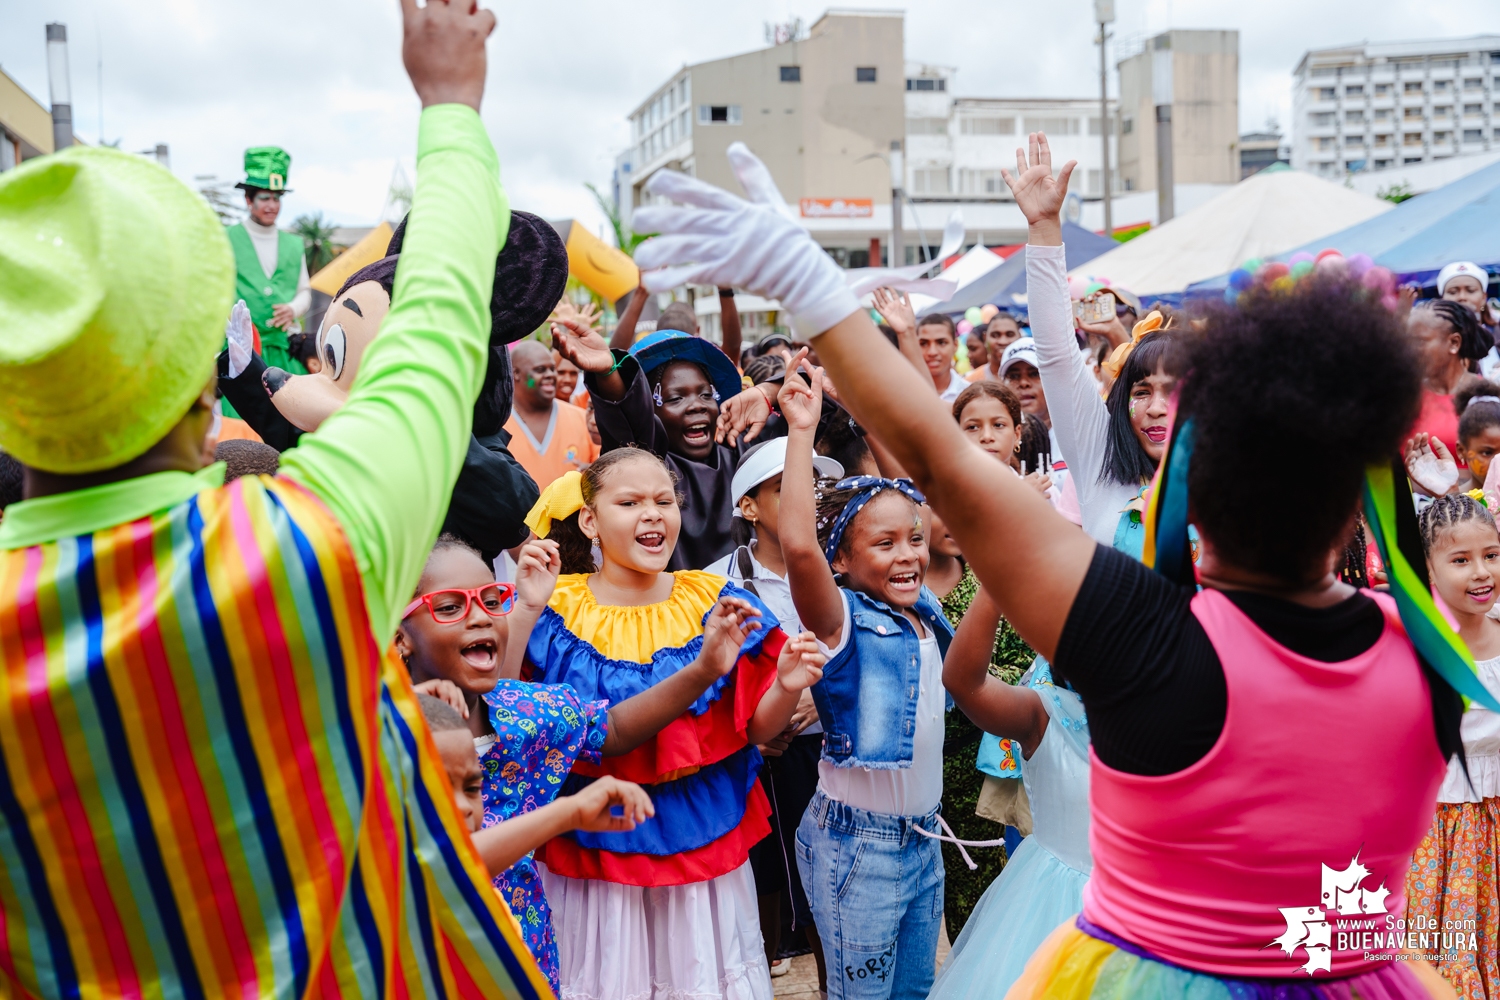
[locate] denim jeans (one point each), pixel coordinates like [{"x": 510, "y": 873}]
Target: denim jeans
[{"x": 876, "y": 890}]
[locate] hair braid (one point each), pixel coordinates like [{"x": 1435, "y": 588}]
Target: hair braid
[{"x": 1450, "y": 511}]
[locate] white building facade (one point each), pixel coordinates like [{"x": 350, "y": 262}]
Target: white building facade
[{"x": 1373, "y": 107}]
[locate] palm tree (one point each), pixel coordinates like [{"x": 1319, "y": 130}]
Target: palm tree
[
  {"x": 317, "y": 237},
  {"x": 625, "y": 239}
]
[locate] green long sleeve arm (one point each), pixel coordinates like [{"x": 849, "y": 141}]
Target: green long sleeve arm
[{"x": 385, "y": 463}]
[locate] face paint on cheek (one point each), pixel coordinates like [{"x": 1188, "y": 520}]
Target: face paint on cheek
[{"x": 530, "y": 383}]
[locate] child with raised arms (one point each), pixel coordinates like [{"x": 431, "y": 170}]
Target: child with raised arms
[
  {"x": 671, "y": 904},
  {"x": 857, "y": 557}
]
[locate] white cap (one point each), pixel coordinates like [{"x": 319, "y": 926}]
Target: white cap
[
  {"x": 768, "y": 459},
  {"x": 1022, "y": 350},
  {"x": 1463, "y": 269}
]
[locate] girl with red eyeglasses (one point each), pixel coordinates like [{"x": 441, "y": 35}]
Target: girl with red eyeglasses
[{"x": 456, "y": 639}]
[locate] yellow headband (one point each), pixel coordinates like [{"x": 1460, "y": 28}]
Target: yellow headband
[
  {"x": 1115, "y": 363},
  {"x": 563, "y": 497}
]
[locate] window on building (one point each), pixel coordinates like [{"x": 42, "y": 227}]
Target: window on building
[
  {"x": 1353, "y": 117},
  {"x": 1053, "y": 125},
  {"x": 1411, "y": 139},
  {"x": 1382, "y": 90},
  {"x": 1354, "y": 140},
  {"x": 1411, "y": 159},
  {"x": 1094, "y": 125},
  {"x": 791, "y": 74},
  {"x": 1382, "y": 164},
  {"x": 1321, "y": 119},
  {"x": 1382, "y": 141},
  {"x": 1473, "y": 109},
  {"x": 1382, "y": 114},
  {"x": 1412, "y": 114},
  {"x": 1443, "y": 111},
  {"x": 1127, "y": 125},
  {"x": 1323, "y": 142},
  {"x": 1473, "y": 135},
  {"x": 1412, "y": 87},
  {"x": 981, "y": 182},
  {"x": 1474, "y": 83},
  {"x": 1353, "y": 165},
  {"x": 864, "y": 74},
  {"x": 718, "y": 114},
  {"x": 1327, "y": 93},
  {"x": 1354, "y": 90},
  {"x": 930, "y": 180},
  {"x": 923, "y": 83},
  {"x": 1442, "y": 86},
  {"x": 987, "y": 126},
  {"x": 926, "y": 126},
  {"x": 1438, "y": 138}
]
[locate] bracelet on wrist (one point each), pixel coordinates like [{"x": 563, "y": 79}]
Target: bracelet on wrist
[{"x": 726, "y": 293}]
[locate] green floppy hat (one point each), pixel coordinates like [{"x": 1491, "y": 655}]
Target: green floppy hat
[
  {"x": 115, "y": 282},
  {"x": 267, "y": 168}
]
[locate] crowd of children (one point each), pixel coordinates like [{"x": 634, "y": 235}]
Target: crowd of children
[{"x": 826, "y": 646}]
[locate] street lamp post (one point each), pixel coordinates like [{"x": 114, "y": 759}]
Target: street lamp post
[
  {"x": 1104, "y": 13},
  {"x": 898, "y": 186}
]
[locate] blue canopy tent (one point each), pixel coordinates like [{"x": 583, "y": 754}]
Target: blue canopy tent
[
  {"x": 998, "y": 286},
  {"x": 1459, "y": 221}
]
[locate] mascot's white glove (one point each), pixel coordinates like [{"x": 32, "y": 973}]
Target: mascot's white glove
[
  {"x": 241, "y": 338},
  {"x": 714, "y": 238}
]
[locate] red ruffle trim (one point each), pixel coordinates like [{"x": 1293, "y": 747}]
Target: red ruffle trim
[
  {"x": 689, "y": 741},
  {"x": 564, "y": 857}
]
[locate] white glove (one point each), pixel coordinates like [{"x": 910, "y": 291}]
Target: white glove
[
  {"x": 241, "y": 338},
  {"x": 714, "y": 238}
]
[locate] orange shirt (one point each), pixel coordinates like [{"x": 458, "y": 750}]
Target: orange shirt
[{"x": 564, "y": 448}]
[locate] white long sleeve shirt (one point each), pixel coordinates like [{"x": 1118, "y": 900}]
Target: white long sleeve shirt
[
  {"x": 1080, "y": 423},
  {"x": 267, "y": 243}
]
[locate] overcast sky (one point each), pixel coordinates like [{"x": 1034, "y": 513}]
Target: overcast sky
[{"x": 324, "y": 79}]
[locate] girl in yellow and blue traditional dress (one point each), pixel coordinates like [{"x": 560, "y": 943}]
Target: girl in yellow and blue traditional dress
[{"x": 673, "y": 901}]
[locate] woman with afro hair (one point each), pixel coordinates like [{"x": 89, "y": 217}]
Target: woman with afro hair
[{"x": 1267, "y": 750}]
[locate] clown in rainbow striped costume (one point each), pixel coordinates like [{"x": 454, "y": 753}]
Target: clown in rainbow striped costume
[{"x": 212, "y": 782}]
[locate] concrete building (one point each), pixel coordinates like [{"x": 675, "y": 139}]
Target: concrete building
[
  {"x": 829, "y": 113},
  {"x": 25, "y": 124},
  {"x": 1186, "y": 83},
  {"x": 822, "y": 112},
  {"x": 1380, "y": 106}
]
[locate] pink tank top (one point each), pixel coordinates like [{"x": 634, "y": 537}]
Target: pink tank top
[{"x": 1318, "y": 763}]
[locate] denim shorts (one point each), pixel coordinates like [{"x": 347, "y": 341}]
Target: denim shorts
[{"x": 876, "y": 890}]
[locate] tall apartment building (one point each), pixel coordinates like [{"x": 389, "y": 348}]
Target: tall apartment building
[
  {"x": 1376, "y": 106},
  {"x": 1188, "y": 83}
]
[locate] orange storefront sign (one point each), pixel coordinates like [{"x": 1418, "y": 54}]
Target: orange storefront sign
[{"x": 837, "y": 208}]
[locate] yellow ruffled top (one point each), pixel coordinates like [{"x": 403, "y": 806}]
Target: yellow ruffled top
[{"x": 637, "y": 633}]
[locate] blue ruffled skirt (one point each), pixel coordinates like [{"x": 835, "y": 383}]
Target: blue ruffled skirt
[{"x": 1031, "y": 897}]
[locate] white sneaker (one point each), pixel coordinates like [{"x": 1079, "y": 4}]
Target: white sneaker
[{"x": 780, "y": 967}]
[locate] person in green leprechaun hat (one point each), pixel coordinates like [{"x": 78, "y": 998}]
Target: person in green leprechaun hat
[{"x": 270, "y": 265}]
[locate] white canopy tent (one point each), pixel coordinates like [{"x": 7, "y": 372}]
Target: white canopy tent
[
  {"x": 974, "y": 264},
  {"x": 1271, "y": 212}
]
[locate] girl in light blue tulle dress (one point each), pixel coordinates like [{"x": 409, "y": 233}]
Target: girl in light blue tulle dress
[{"x": 1042, "y": 885}]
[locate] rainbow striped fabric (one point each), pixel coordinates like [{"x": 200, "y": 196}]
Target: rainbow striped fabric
[{"x": 214, "y": 786}]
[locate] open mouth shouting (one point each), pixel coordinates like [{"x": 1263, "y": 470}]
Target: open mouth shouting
[
  {"x": 697, "y": 434},
  {"x": 654, "y": 542},
  {"x": 480, "y": 655},
  {"x": 905, "y": 582}
]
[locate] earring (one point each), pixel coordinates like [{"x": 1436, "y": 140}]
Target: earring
[{"x": 1018, "y": 447}]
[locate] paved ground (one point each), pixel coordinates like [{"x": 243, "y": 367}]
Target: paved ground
[{"x": 802, "y": 981}]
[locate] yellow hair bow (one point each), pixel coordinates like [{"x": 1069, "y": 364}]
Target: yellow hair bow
[
  {"x": 1150, "y": 324},
  {"x": 564, "y": 496}
]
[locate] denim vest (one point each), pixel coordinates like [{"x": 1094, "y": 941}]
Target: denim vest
[{"x": 867, "y": 699}]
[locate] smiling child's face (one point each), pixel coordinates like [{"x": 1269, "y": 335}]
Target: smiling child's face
[{"x": 467, "y": 652}]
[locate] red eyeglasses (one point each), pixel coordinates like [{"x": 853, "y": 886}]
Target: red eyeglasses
[{"x": 449, "y": 606}]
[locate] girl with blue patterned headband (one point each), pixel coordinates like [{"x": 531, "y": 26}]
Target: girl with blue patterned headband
[{"x": 857, "y": 556}]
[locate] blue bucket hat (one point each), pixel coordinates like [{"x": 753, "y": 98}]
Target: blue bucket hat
[{"x": 656, "y": 349}]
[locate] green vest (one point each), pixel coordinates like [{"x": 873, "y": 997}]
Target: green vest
[{"x": 261, "y": 293}]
